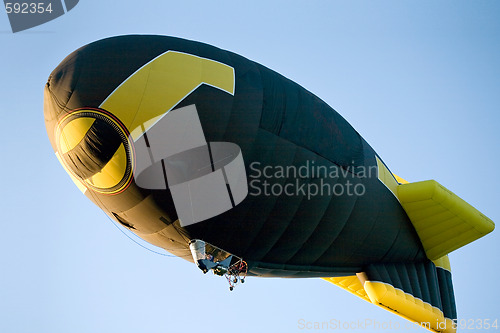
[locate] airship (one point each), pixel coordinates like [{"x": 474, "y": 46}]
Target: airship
[{"x": 223, "y": 162}]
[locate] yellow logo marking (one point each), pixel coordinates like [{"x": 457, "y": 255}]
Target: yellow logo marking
[{"x": 157, "y": 87}]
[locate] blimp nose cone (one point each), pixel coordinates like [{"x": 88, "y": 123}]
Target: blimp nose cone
[
  {"x": 88, "y": 144},
  {"x": 94, "y": 147}
]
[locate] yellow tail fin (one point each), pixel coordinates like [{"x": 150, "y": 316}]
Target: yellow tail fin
[{"x": 443, "y": 221}]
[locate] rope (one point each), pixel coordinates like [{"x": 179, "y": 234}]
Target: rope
[{"x": 133, "y": 240}]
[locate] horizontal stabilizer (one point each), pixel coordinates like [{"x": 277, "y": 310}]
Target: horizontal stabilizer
[
  {"x": 421, "y": 292},
  {"x": 443, "y": 221}
]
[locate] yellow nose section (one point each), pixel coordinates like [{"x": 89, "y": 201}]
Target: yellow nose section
[{"x": 83, "y": 139}]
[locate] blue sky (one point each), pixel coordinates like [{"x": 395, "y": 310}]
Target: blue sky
[{"x": 420, "y": 81}]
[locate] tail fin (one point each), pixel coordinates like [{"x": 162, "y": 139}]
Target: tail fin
[
  {"x": 422, "y": 292},
  {"x": 443, "y": 221},
  {"x": 419, "y": 292}
]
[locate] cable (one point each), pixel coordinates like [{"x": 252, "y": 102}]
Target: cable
[{"x": 133, "y": 240}]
